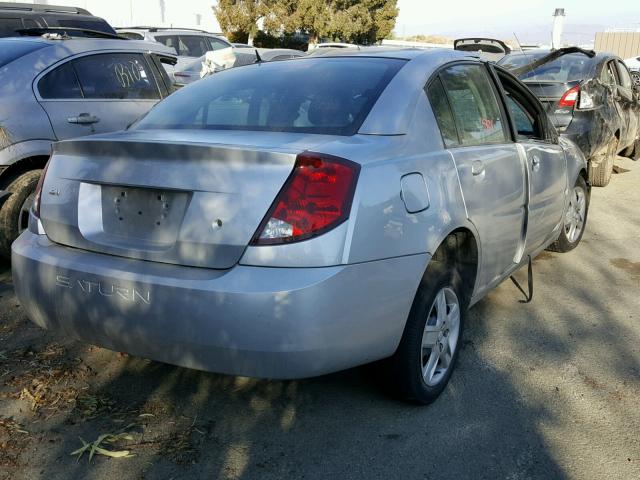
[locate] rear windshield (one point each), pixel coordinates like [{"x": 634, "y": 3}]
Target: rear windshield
[
  {"x": 316, "y": 95},
  {"x": 568, "y": 68},
  {"x": 11, "y": 50},
  {"x": 187, "y": 45}
]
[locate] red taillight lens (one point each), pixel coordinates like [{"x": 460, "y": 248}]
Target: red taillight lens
[
  {"x": 38, "y": 194},
  {"x": 315, "y": 199},
  {"x": 570, "y": 97}
]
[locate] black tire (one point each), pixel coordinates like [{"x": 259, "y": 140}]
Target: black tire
[
  {"x": 10, "y": 213},
  {"x": 564, "y": 244},
  {"x": 600, "y": 175},
  {"x": 403, "y": 371},
  {"x": 635, "y": 155}
]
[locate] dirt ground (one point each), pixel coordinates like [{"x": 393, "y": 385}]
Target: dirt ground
[{"x": 545, "y": 390}]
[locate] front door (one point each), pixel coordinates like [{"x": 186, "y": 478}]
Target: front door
[
  {"x": 98, "y": 93},
  {"x": 628, "y": 105},
  {"x": 491, "y": 170},
  {"x": 545, "y": 161}
]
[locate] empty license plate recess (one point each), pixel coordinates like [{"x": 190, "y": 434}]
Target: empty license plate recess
[{"x": 143, "y": 214}]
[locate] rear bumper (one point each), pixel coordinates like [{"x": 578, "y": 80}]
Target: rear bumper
[{"x": 261, "y": 322}]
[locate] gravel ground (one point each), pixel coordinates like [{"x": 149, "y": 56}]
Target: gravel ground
[{"x": 545, "y": 390}]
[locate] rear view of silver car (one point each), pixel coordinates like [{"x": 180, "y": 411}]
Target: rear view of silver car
[{"x": 290, "y": 219}]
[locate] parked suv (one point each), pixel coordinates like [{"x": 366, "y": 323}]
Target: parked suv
[
  {"x": 19, "y": 16},
  {"x": 188, "y": 44},
  {"x": 590, "y": 97},
  {"x": 59, "y": 89},
  {"x": 294, "y": 218}
]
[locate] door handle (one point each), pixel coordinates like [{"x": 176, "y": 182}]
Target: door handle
[
  {"x": 83, "y": 119},
  {"x": 477, "y": 168},
  {"x": 535, "y": 163}
]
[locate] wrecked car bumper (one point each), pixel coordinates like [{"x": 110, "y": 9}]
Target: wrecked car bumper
[{"x": 261, "y": 322}]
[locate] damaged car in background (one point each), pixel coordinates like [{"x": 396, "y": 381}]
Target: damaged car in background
[
  {"x": 294, "y": 218},
  {"x": 591, "y": 99},
  {"x": 55, "y": 87}
]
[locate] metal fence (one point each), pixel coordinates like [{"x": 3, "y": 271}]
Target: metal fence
[{"x": 623, "y": 44}]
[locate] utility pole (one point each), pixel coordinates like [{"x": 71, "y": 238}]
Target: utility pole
[{"x": 558, "y": 27}]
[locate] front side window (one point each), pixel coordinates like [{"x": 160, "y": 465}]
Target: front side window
[
  {"x": 315, "y": 95},
  {"x": 609, "y": 76},
  {"x": 216, "y": 44},
  {"x": 443, "y": 114},
  {"x": 523, "y": 120},
  {"x": 121, "y": 76},
  {"x": 474, "y": 104}
]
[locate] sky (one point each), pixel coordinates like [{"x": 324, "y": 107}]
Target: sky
[{"x": 529, "y": 19}]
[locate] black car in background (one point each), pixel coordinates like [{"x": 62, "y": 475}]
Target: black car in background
[
  {"x": 591, "y": 99},
  {"x": 15, "y": 18}
]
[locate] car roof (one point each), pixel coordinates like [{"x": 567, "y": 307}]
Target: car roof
[
  {"x": 79, "y": 45},
  {"x": 164, "y": 31},
  {"x": 395, "y": 52}
]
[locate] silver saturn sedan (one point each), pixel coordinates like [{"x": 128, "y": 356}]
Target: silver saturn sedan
[{"x": 290, "y": 219}]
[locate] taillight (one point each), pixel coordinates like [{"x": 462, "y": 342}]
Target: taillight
[
  {"x": 316, "y": 198},
  {"x": 570, "y": 97},
  {"x": 38, "y": 193}
]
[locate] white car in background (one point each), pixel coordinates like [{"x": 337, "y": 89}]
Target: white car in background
[
  {"x": 213, "y": 62},
  {"x": 189, "y": 44},
  {"x": 633, "y": 64}
]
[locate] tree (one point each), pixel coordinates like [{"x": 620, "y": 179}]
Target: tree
[
  {"x": 238, "y": 19},
  {"x": 358, "y": 21},
  {"x": 363, "y": 21}
]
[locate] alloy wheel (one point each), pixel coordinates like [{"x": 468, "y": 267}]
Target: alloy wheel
[
  {"x": 440, "y": 336},
  {"x": 575, "y": 216}
]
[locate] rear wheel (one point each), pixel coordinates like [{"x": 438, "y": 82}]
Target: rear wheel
[
  {"x": 422, "y": 366},
  {"x": 600, "y": 174},
  {"x": 575, "y": 219},
  {"x": 14, "y": 214}
]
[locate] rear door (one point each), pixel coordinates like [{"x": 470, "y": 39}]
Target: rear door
[
  {"x": 545, "y": 160},
  {"x": 490, "y": 168},
  {"x": 627, "y": 104},
  {"x": 98, "y": 93}
]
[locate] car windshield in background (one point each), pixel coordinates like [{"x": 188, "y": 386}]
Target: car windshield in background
[
  {"x": 187, "y": 45},
  {"x": 320, "y": 95},
  {"x": 11, "y": 50},
  {"x": 567, "y": 68}
]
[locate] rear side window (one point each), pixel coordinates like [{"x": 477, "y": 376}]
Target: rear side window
[
  {"x": 111, "y": 76},
  {"x": 315, "y": 95},
  {"x": 474, "y": 104},
  {"x": 60, "y": 83},
  {"x": 442, "y": 111},
  {"x": 121, "y": 76},
  {"x": 11, "y": 50}
]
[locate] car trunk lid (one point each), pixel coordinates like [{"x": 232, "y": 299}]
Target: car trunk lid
[
  {"x": 549, "y": 93},
  {"x": 186, "y": 203}
]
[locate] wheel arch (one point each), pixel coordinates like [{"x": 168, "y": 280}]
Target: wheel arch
[{"x": 460, "y": 249}]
